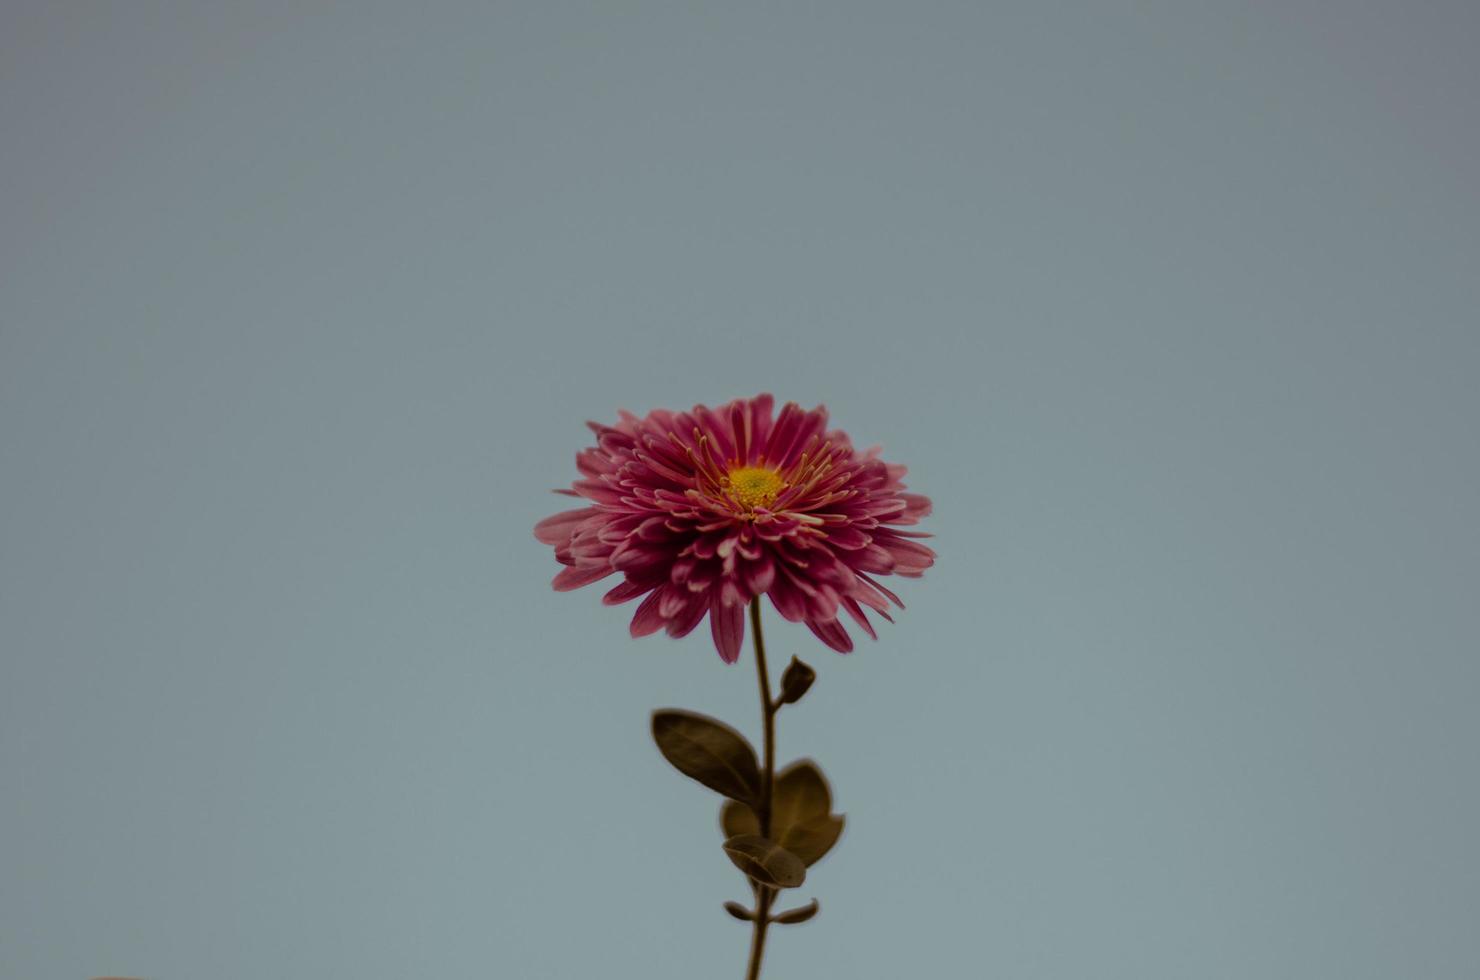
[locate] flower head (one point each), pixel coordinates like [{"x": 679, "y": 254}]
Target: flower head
[{"x": 703, "y": 511}]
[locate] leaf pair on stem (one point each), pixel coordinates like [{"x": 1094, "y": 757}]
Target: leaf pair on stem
[{"x": 803, "y": 827}]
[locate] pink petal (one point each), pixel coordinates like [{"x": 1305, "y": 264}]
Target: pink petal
[
  {"x": 869, "y": 596},
  {"x": 625, "y": 592},
  {"x": 681, "y": 570},
  {"x": 784, "y": 434},
  {"x": 886, "y": 505},
  {"x": 727, "y": 622},
  {"x": 758, "y": 425},
  {"x": 758, "y": 575},
  {"x": 673, "y": 601},
  {"x": 872, "y": 559},
  {"x": 640, "y": 560},
  {"x": 557, "y": 529},
  {"x": 789, "y": 601},
  {"x": 910, "y": 559},
  {"x": 646, "y": 620},
  {"x": 832, "y": 633},
  {"x": 588, "y": 548},
  {"x": 704, "y": 576},
  {"x": 848, "y": 538},
  {"x": 894, "y": 598},
  {"x": 716, "y": 426},
  {"x": 654, "y": 529},
  {"x": 690, "y": 616},
  {"x": 859, "y": 616},
  {"x": 575, "y": 576},
  {"x": 916, "y": 505},
  {"x": 615, "y": 531},
  {"x": 730, "y": 594}
]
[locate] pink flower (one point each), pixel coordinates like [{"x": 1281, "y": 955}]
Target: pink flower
[{"x": 702, "y": 511}]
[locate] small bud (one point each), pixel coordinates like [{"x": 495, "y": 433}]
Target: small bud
[
  {"x": 795, "y": 681},
  {"x": 793, "y": 916},
  {"x": 739, "y": 911}
]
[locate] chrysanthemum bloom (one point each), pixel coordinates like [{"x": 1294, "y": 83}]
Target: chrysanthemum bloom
[{"x": 702, "y": 511}]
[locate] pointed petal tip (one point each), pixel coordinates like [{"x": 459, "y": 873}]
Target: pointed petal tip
[
  {"x": 646, "y": 620},
  {"x": 556, "y": 529},
  {"x": 574, "y": 576},
  {"x": 727, "y": 624},
  {"x": 832, "y": 633}
]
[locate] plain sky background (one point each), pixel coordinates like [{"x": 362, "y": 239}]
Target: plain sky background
[{"x": 1171, "y": 307}]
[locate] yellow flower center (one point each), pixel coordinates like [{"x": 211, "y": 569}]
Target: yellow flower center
[{"x": 753, "y": 486}]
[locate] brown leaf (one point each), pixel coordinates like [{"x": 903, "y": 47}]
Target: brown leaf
[
  {"x": 710, "y": 751},
  {"x": 739, "y": 911},
  {"x": 766, "y": 861},
  {"x": 801, "y": 914},
  {"x": 812, "y": 839},
  {"x": 801, "y": 817}
]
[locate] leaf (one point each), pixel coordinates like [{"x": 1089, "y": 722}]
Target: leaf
[
  {"x": 800, "y": 794},
  {"x": 797, "y": 678},
  {"x": 813, "y": 838},
  {"x": 801, "y": 914},
  {"x": 802, "y": 820},
  {"x": 710, "y": 751},
  {"x": 739, "y": 911},
  {"x": 766, "y": 861}
]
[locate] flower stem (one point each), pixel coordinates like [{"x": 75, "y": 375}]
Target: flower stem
[{"x": 763, "y": 894}]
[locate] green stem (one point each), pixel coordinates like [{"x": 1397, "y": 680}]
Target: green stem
[{"x": 764, "y": 895}]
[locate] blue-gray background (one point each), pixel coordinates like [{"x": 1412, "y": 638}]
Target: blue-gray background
[{"x": 1171, "y": 307}]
